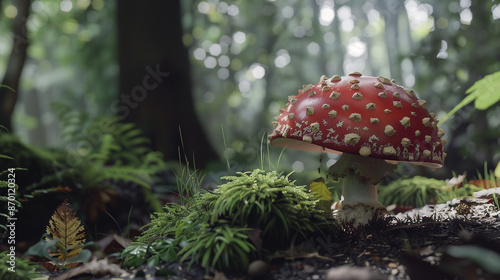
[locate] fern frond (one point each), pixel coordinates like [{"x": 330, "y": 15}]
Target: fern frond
[
  {"x": 72, "y": 122},
  {"x": 141, "y": 177},
  {"x": 108, "y": 146}
]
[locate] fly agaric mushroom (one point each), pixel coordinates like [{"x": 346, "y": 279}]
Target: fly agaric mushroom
[{"x": 373, "y": 122}]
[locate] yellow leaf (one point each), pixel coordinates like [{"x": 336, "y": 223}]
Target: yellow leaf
[
  {"x": 67, "y": 229},
  {"x": 320, "y": 190},
  {"x": 497, "y": 171}
]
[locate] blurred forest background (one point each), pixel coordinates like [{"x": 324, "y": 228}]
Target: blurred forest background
[{"x": 220, "y": 70}]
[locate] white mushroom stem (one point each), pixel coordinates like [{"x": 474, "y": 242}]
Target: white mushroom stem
[
  {"x": 356, "y": 190},
  {"x": 361, "y": 174}
]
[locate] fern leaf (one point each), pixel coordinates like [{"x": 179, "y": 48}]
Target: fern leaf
[
  {"x": 67, "y": 229},
  {"x": 127, "y": 174}
]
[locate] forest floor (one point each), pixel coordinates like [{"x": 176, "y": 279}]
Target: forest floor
[{"x": 444, "y": 241}]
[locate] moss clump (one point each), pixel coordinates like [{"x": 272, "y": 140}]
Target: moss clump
[
  {"x": 269, "y": 202},
  {"x": 215, "y": 229},
  {"x": 419, "y": 191},
  {"x": 416, "y": 191}
]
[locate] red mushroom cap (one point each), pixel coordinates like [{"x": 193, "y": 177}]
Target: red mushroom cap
[{"x": 369, "y": 116}]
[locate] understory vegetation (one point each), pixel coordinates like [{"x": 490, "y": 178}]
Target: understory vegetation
[{"x": 253, "y": 214}]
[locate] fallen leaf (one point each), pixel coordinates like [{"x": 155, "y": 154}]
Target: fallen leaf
[
  {"x": 67, "y": 229},
  {"x": 50, "y": 266},
  {"x": 320, "y": 190},
  {"x": 113, "y": 243},
  {"x": 96, "y": 268}
]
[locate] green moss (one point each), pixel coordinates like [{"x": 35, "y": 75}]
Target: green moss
[
  {"x": 214, "y": 229},
  {"x": 419, "y": 191},
  {"x": 269, "y": 202},
  {"x": 416, "y": 191}
]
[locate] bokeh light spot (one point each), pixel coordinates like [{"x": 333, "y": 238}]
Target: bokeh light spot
[
  {"x": 313, "y": 48},
  {"x": 210, "y": 62},
  {"x": 258, "y": 71},
  {"x": 326, "y": 15},
  {"x": 282, "y": 58}
]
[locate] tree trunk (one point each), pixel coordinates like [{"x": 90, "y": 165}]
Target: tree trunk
[
  {"x": 15, "y": 64},
  {"x": 155, "y": 83}
]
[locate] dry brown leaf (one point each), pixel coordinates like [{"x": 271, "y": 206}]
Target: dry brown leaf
[
  {"x": 113, "y": 243},
  {"x": 67, "y": 229}
]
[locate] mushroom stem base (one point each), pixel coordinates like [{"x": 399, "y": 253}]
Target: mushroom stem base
[{"x": 356, "y": 215}]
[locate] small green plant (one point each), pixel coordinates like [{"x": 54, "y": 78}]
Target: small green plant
[
  {"x": 160, "y": 249},
  {"x": 164, "y": 223},
  {"x": 221, "y": 247}
]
